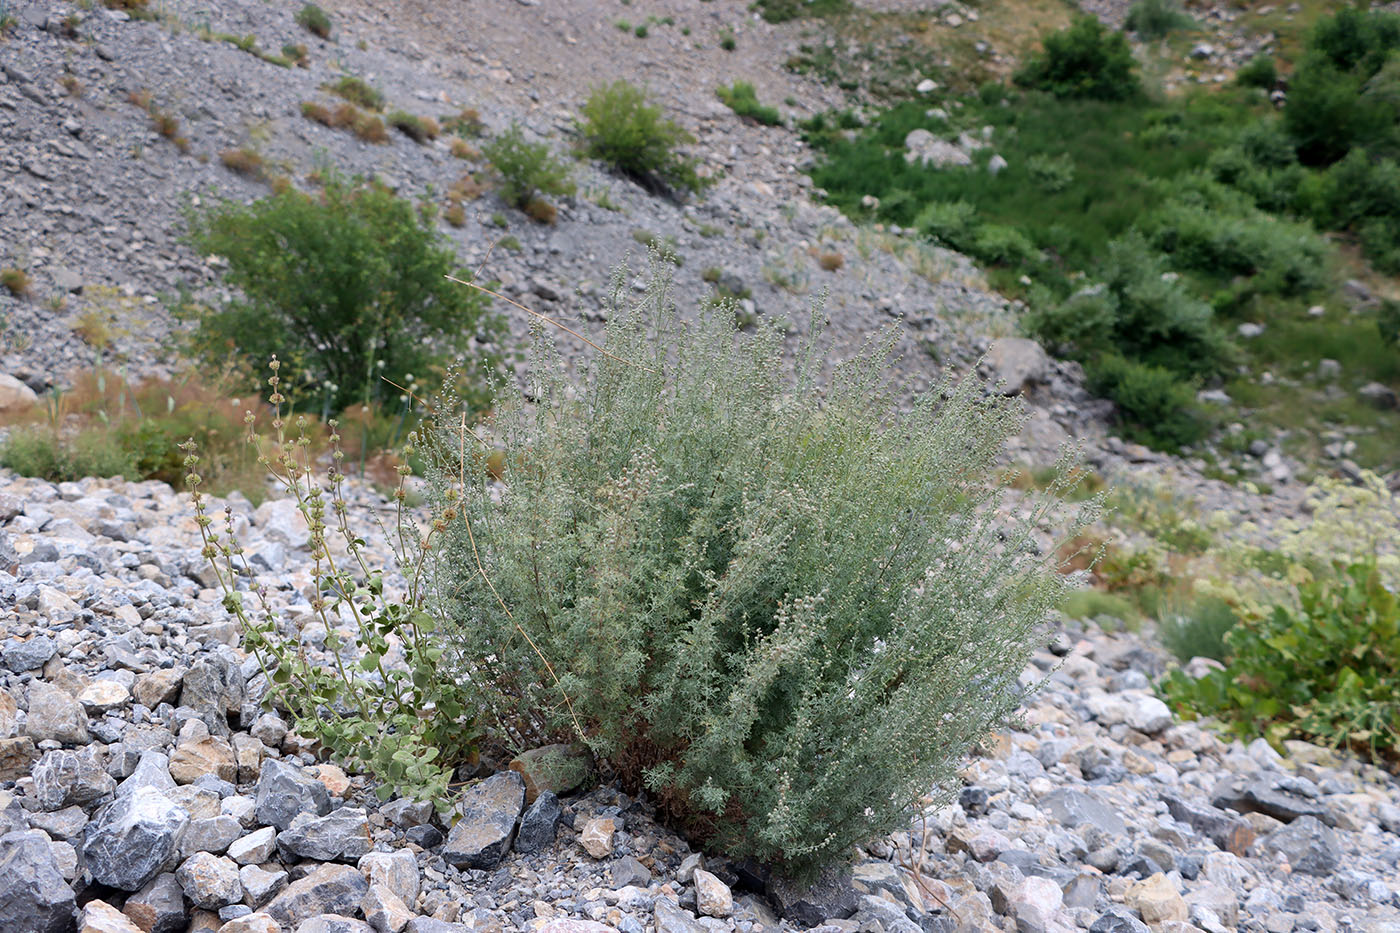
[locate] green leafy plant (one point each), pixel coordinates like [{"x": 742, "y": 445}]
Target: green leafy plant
[
  {"x": 378, "y": 704},
  {"x": 358, "y": 92},
  {"x": 1342, "y": 94},
  {"x": 787, "y": 613},
  {"x": 1200, "y": 631},
  {"x": 741, "y": 98},
  {"x": 1153, "y": 404},
  {"x": 1154, "y": 19},
  {"x": 314, "y": 20},
  {"x": 781, "y": 11},
  {"x": 633, "y": 136},
  {"x": 350, "y": 284},
  {"x": 1083, "y": 60},
  {"x": 418, "y": 129},
  {"x": 1321, "y": 669},
  {"x": 1260, "y": 71},
  {"x": 526, "y": 171}
]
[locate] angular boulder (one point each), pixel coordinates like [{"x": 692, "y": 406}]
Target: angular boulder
[
  {"x": 482, "y": 836},
  {"x": 33, "y": 895},
  {"x": 130, "y": 839}
]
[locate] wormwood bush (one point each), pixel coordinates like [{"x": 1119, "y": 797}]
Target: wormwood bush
[
  {"x": 347, "y": 284},
  {"x": 621, "y": 128},
  {"x": 741, "y": 98},
  {"x": 786, "y": 614},
  {"x": 1153, "y": 19}
]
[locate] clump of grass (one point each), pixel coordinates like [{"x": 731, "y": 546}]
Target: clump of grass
[
  {"x": 510, "y": 242},
  {"x": 94, "y": 329},
  {"x": 466, "y": 188},
  {"x": 727, "y": 40},
  {"x": 1200, "y": 631},
  {"x": 461, "y": 149},
  {"x": 455, "y": 214},
  {"x": 465, "y": 123},
  {"x": 622, "y": 128},
  {"x": 297, "y": 54},
  {"x": 741, "y": 98},
  {"x": 541, "y": 211},
  {"x": 244, "y": 161},
  {"x": 72, "y": 85},
  {"x": 358, "y": 92},
  {"x": 314, "y": 20},
  {"x": 1155, "y": 19},
  {"x": 16, "y": 281},
  {"x": 165, "y": 123},
  {"x": 831, "y": 260},
  {"x": 527, "y": 171},
  {"x": 418, "y": 129},
  {"x": 664, "y": 247}
]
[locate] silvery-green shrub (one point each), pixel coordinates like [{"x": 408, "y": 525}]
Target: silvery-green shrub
[{"x": 780, "y": 604}]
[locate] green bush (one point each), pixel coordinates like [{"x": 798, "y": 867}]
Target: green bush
[
  {"x": 633, "y": 136},
  {"x": 1388, "y": 322},
  {"x": 949, "y": 223},
  {"x": 1052, "y": 174},
  {"x": 1287, "y": 258},
  {"x": 1084, "y": 60},
  {"x": 1322, "y": 669},
  {"x": 1154, "y": 19},
  {"x": 1345, "y": 92},
  {"x": 1200, "y": 631},
  {"x": 44, "y": 452},
  {"x": 1260, "y": 71},
  {"x": 786, "y": 613},
  {"x": 314, "y": 20},
  {"x": 358, "y": 92},
  {"x": 349, "y": 287},
  {"x": 526, "y": 171},
  {"x": 741, "y": 98},
  {"x": 1002, "y": 245},
  {"x": 1153, "y": 404},
  {"x": 781, "y": 11}
]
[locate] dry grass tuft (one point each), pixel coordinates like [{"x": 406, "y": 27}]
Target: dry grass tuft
[
  {"x": 244, "y": 161},
  {"x": 831, "y": 261},
  {"x": 466, "y": 188},
  {"x": 462, "y": 149},
  {"x": 16, "y": 280},
  {"x": 541, "y": 211},
  {"x": 455, "y": 214},
  {"x": 72, "y": 85}
]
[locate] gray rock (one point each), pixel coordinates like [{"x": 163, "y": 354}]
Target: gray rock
[
  {"x": 54, "y": 715},
  {"x": 33, "y": 895},
  {"x": 1308, "y": 844},
  {"x": 1074, "y": 808},
  {"x": 64, "y": 778},
  {"x": 1016, "y": 364},
  {"x": 66, "y": 824},
  {"x": 334, "y": 923},
  {"x": 537, "y": 825},
  {"x": 1229, "y": 833},
  {"x": 260, "y": 885},
  {"x": 627, "y": 870},
  {"x": 1118, "y": 920},
  {"x": 210, "y": 881},
  {"x": 153, "y": 771},
  {"x": 159, "y": 907},
  {"x": 21, "y": 656},
  {"x": 285, "y": 791},
  {"x": 211, "y": 834},
  {"x": 433, "y": 925},
  {"x": 130, "y": 839},
  {"x": 397, "y": 871},
  {"x": 670, "y": 917},
  {"x": 214, "y": 687},
  {"x": 328, "y": 889},
  {"x": 481, "y": 836},
  {"x": 830, "y": 896},
  {"x": 342, "y": 835},
  {"x": 1268, "y": 794},
  {"x": 254, "y": 848},
  {"x": 1380, "y": 396},
  {"x": 405, "y": 812}
]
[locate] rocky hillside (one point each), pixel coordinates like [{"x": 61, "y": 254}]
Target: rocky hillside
[{"x": 143, "y": 786}]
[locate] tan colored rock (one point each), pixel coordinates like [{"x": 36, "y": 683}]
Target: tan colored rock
[
  {"x": 17, "y": 757},
  {"x": 712, "y": 896},
  {"x": 102, "y": 695},
  {"x": 252, "y": 923},
  {"x": 559, "y": 768},
  {"x": 334, "y": 779},
  {"x": 384, "y": 910},
  {"x": 9, "y": 715},
  {"x": 209, "y": 755},
  {"x": 100, "y": 917},
  {"x": 597, "y": 836},
  {"x": 1157, "y": 900},
  {"x": 157, "y": 687},
  {"x": 248, "y": 753},
  {"x": 15, "y": 396}
]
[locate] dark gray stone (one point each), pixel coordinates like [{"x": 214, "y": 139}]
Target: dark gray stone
[
  {"x": 1074, "y": 808},
  {"x": 830, "y": 896},
  {"x": 1229, "y": 833},
  {"x": 334, "y": 923},
  {"x": 340, "y": 836},
  {"x": 1308, "y": 844},
  {"x": 21, "y": 656},
  {"x": 538, "y": 825},
  {"x": 627, "y": 870},
  {"x": 159, "y": 907},
  {"x": 424, "y": 836},
  {"x": 284, "y": 791},
  {"x": 481, "y": 836},
  {"x": 33, "y": 895},
  {"x": 328, "y": 889},
  {"x": 130, "y": 839},
  {"x": 1118, "y": 920},
  {"x": 214, "y": 687},
  {"x": 1265, "y": 793},
  {"x": 65, "y": 825}
]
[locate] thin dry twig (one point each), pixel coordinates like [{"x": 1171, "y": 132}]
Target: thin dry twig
[{"x": 549, "y": 320}]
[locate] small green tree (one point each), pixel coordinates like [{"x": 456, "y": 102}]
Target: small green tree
[
  {"x": 1083, "y": 60},
  {"x": 633, "y": 136},
  {"x": 348, "y": 285},
  {"x": 526, "y": 170}
]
